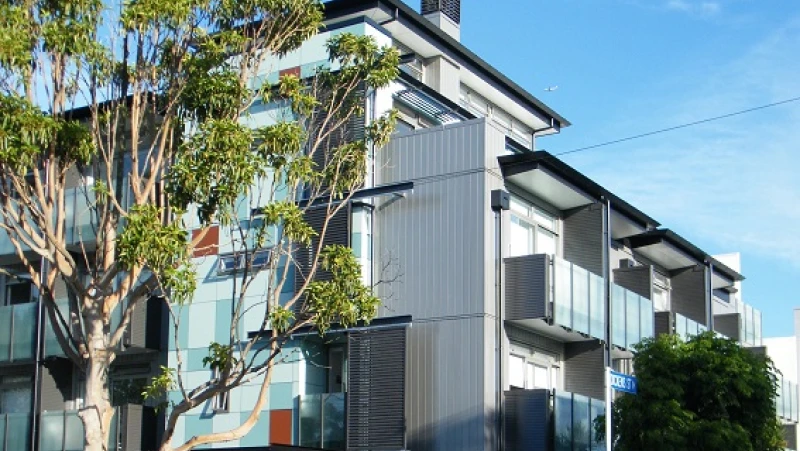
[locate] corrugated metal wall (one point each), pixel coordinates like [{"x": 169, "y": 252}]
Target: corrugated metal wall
[
  {"x": 728, "y": 325},
  {"x": 534, "y": 340},
  {"x": 663, "y": 323},
  {"x": 688, "y": 295},
  {"x": 526, "y": 287},
  {"x": 583, "y": 238},
  {"x": 438, "y": 240},
  {"x": 637, "y": 279},
  {"x": 583, "y": 368},
  {"x": 527, "y": 423}
]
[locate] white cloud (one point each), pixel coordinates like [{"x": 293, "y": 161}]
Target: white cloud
[
  {"x": 734, "y": 184},
  {"x": 705, "y": 8}
]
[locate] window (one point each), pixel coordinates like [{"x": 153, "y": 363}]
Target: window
[
  {"x": 18, "y": 292},
  {"x": 229, "y": 264},
  {"x": 661, "y": 293},
  {"x": 221, "y": 401},
  {"x": 337, "y": 369},
  {"x": 532, "y": 230},
  {"x": 529, "y": 369}
]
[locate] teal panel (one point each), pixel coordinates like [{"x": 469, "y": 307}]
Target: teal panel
[
  {"x": 281, "y": 396},
  {"x": 196, "y": 425},
  {"x": 222, "y": 323},
  {"x": 259, "y": 435},
  {"x": 194, "y": 359},
  {"x": 183, "y": 330}
]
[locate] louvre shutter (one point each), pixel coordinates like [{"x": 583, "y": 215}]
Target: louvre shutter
[{"x": 376, "y": 390}]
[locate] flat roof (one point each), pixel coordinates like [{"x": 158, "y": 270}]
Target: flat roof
[{"x": 340, "y": 8}]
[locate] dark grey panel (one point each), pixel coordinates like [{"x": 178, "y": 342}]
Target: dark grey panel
[
  {"x": 376, "y": 390},
  {"x": 337, "y": 232},
  {"x": 534, "y": 340},
  {"x": 137, "y": 427},
  {"x": 526, "y": 287},
  {"x": 637, "y": 279},
  {"x": 663, "y": 323},
  {"x": 527, "y": 420},
  {"x": 56, "y": 383},
  {"x": 583, "y": 369},
  {"x": 728, "y": 325},
  {"x": 790, "y": 435},
  {"x": 583, "y": 238},
  {"x": 688, "y": 295},
  {"x": 758, "y": 350}
]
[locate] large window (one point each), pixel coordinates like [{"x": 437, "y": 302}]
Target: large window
[
  {"x": 15, "y": 394},
  {"x": 528, "y": 369},
  {"x": 532, "y": 230},
  {"x": 661, "y": 293},
  {"x": 17, "y": 292}
]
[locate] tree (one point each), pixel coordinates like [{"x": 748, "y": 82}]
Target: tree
[
  {"x": 706, "y": 393},
  {"x": 158, "y": 152}
]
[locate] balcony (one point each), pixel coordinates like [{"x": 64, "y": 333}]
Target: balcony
[
  {"x": 17, "y": 332},
  {"x": 323, "y": 420},
  {"x": 554, "y": 297},
  {"x": 15, "y": 431},
  {"x": 63, "y": 431},
  {"x": 632, "y": 317},
  {"x": 740, "y": 322},
  {"x": 786, "y": 401},
  {"x": 537, "y": 420},
  {"x": 675, "y": 323}
]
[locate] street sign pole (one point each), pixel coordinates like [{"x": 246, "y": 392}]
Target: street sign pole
[{"x": 609, "y": 393}]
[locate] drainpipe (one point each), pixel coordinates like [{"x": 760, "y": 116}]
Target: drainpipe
[
  {"x": 500, "y": 200},
  {"x": 607, "y": 298},
  {"x": 36, "y": 402},
  {"x": 710, "y": 295}
]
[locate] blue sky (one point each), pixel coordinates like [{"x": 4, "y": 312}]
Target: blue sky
[{"x": 625, "y": 67}]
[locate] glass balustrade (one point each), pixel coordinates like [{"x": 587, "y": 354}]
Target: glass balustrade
[
  {"x": 323, "y": 421},
  {"x": 63, "y": 431},
  {"x": 15, "y": 431},
  {"x": 631, "y": 317},
  {"x": 687, "y": 328},
  {"x": 17, "y": 331},
  {"x": 578, "y": 299},
  {"x": 574, "y": 419}
]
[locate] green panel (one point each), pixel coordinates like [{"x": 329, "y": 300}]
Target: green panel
[
  {"x": 6, "y": 315},
  {"x": 195, "y": 358},
  {"x": 222, "y": 323},
  {"x": 24, "y": 328},
  {"x": 19, "y": 431},
  {"x": 51, "y": 434}
]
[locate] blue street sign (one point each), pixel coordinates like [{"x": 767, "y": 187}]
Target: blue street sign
[{"x": 623, "y": 382}]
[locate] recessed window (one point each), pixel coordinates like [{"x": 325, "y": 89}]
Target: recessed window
[
  {"x": 18, "y": 292},
  {"x": 15, "y": 394},
  {"x": 532, "y": 230},
  {"x": 221, "y": 401},
  {"x": 231, "y": 263},
  {"x": 529, "y": 369}
]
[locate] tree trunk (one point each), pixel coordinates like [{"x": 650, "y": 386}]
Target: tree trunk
[{"x": 97, "y": 412}]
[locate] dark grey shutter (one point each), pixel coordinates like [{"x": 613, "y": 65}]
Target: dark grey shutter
[
  {"x": 376, "y": 390},
  {"x": 337, "y": 232},
  {"x": 527, "y": 420}
]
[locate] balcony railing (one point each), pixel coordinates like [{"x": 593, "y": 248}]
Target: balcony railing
[
  {"x": 322, "y": 420},
  {"x": 786, "y": 400},
  {"x": 17, "y": 332},
  {"x": 687, "y": 328},
  {"x": 741, "y": 322},
  {"x": 632, "y": 317},
  {"x": 15, "y": 431},
  {"x": 541, "y": 420},
  {"x": 63, "y": 431},
  {"x": 549, "y": 288}
]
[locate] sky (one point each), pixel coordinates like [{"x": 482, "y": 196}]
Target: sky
[{"x": 625, "y": 67}]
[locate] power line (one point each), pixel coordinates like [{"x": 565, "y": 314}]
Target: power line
[{"x": 677, "y": 127}]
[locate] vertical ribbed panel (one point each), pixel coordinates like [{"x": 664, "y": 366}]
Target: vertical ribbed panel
[
  {"x": 534, "y": 340},
  {"x": 376, "y": 390},
  {"x": 527, "y": 285},
  {"x": 688, "y": 295},
  {"x": 337, "y": 232},
  {"x": 450, "y": 8},
  {"x": 584, "y": 369},
  {"x": 728, "y": 325},
  {"x": 583, "y": 238},
  {"x": 527, "y": 420},
  {"x": 637, "y": 279},
  {"x": 663, "y": 323},
  {"x": 137, "y": 427}
]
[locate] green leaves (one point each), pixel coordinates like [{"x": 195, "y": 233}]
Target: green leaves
[
  {"x": 708, "y": 393},
  {"x": 220, "y": 357},
  {"x": 344, "y": 298}
]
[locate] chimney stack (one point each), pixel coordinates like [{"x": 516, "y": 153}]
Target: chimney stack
[{"x": 445, "y": 14}]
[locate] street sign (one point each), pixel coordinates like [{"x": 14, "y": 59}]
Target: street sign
[{"x": 623, "y": 382}]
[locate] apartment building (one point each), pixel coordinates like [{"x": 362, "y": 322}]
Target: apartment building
[{"x": 510, "y": 270}]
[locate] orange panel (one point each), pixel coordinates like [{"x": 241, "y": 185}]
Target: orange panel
[
  {"x": 280, "y": 427},
  {"x": 209, "y": 245},
  {"x": 290, "y": 71}
]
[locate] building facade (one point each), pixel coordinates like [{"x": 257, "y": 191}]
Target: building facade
[{"x": 510, "y": 271}]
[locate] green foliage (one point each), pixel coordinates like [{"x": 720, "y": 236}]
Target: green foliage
[
  {"x": 707, "y": 393},
  {"x": 16, "y": 35},
  {"x": 344, "y": 298},
  {"x": 160, "y": 385},
  {"x": 220, "y": 357},
  {"x": 24, "y": 132},
  {"x": 280, "y": 318}
]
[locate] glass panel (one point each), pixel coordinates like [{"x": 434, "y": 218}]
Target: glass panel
[
  {"x": 580, "y": 423},
  {"x": 5, "y": 333},
  {"x": 519, "y": 206},
  {"x": 19, "y": 431},
  {"x": 73, "y": 432},
  {"x": 51, "y": 343},
  {"x": 562, "y": 307},
  {"x": 597, "y": 319},
  {"x": 541, "y": 378},
  {"x": 520, "y": 238},
  {"x": 24, "y": 324},
  {"x": 757, "y": 327},
  {"x": 545, "y": 219},
  {"x": 618, "y": 315},
  {"x": 632, "y": 326},
  {"x": 598, "y": 411},
  {"x": 52, "y": 431},
  {"x": 545, "y": 242},
  {"x": 516, "y": 371},
  {"x": 333, "y": 427},
  {"x": 580, "y": 299},
  {"x": 646, "y": 319},
  {"x": 563, "y": 421},
  {"x": 84, "y": 201},
  {"x": 680, "y": 326},
  {"x": 310, "y": 421},
  {"x": 17, "y": 398},
  {"x": 555, "y": 379}
]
